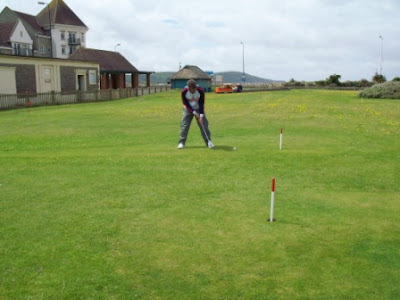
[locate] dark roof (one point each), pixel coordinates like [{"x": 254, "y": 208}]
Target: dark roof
[
  {"x": 7, "y": 15},
  {"x": 190, "y": 72},
  {"x": 31, "y": 21},
  {"x": 60, "y": 13},
  {"x": 109, "y": 61},
  {"x": 6, "y": 30}
]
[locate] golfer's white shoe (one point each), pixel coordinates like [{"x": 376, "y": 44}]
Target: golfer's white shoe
[
  {"x": 181, "y": 145},
  {"x": 210, "y": 144}
]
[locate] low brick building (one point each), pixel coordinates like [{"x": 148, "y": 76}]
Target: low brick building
[
  {"x": 113, "y": 68},
  {"x": 31, "y": 75}
]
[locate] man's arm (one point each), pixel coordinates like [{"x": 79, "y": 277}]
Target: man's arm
[{"x": 201, "y": 101}]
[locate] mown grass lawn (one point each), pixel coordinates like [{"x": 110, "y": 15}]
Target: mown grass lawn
[{"x": 96, "y": 202}]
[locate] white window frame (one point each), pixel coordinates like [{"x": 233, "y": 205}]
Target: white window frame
[
  {"x": 92, "y": 77},
  {"x": 42, "y": 49}
]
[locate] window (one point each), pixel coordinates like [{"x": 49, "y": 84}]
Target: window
[
  {"x": 72, "y": 49},
  {"x": 21, "y": 33},
  {"x": 63, "y": 50},
  {"x": 17, "y": 49},
  {"x": 92, "y": 77},
  {"x": 62, "y": 35},
  {"x": 42, "y": 49},
  {"x": 25, "y": 50},
  {"x": 47, "y": 75},
  {"x": 72, "y": 38}
]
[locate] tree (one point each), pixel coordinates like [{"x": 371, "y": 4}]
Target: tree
[
  {"x": 334, "y": 80},
  {"x": 364, "y": 83},
  {"x": 378, "y": 78}
]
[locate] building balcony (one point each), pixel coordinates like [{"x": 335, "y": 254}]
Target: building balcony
[
  {"x": 23, "y": 52},
  {"x": 72, "y": 41}
]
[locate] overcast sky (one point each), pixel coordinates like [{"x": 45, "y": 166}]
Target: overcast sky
[{"x": 283, "y": 39}]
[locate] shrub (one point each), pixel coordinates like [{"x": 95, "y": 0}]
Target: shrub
[
  {"x": 357, "y": 84},
  {"x": 386, "y": 90},
  {"x": 365, "y": 83},
  {"x": 294, "y": 83},
  {"x": 320, "y": 83},
  {"x": 396, "y": 79}
]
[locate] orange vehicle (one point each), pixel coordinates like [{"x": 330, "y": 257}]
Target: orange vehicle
[{"x": 226, "y": 88}]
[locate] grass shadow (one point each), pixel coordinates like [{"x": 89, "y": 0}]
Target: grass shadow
[
  {"x": 224, "y": 148},
  {"x": 219, "y": 148}
]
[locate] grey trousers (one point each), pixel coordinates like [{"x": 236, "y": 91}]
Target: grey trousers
[{"x": 187, "y": 118}]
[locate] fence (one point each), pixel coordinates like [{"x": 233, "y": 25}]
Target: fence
[{"x": 56, "y": 98}]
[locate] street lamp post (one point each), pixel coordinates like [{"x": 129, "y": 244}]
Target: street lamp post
[
  {"x": 51, "y": 40},
  {"x": 380, "y": 68},
  {"x": 115, "y": 48},
  {"x": 243, "y": 76}
]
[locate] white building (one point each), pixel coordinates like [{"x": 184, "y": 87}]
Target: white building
[
  {"x": 55, "y": 32},
  {"x": 67, "y": 30}
]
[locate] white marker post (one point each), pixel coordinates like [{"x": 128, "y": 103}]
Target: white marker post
[
  {"x": 281, "y": 140},
  {"x": 271, "y": 212}
]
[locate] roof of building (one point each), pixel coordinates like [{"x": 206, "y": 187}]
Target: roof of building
[
  {"x": 60, "y": 13},
  {"x": 31, "y": 21},
  {"x": 6, "y": 29},
  {"x": 7, "y": 15},
  {"x": 190, "y": 72},
  {"x": 112, "y": 62}
]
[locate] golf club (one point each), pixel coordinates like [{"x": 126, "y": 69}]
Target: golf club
[{"x": 210, "y": 144}]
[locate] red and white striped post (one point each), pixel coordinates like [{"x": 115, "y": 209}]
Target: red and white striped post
[
  {"x": 281, "y": 140},
  {"x": 271, "y": 212}
]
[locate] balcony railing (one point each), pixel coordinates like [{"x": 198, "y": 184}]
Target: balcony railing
[
  {"x": 74, "y": 41},
  {"x": 23, "y": 52}
]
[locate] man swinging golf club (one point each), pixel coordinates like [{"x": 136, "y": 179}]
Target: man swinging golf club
[{"x": 193, "y": 106}]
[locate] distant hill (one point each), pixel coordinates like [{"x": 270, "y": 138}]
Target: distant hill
[
  {"x": 231, "y": 77},
  {"x": 236, "y": 77},
  {"x": 157, "y": 78}
]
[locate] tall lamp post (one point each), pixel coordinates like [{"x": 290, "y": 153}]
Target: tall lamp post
[
  {"x": 115, "y": 48},
  {"x": 243, "y": 76},
  {"x": 51, "y": 40},
  {"x": 380, "y": 68}
]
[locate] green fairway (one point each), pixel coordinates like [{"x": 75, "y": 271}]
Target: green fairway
[{"x": 96, "y": 201}]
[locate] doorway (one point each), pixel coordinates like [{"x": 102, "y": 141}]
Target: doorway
[{"x": 81, "y": 80}]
